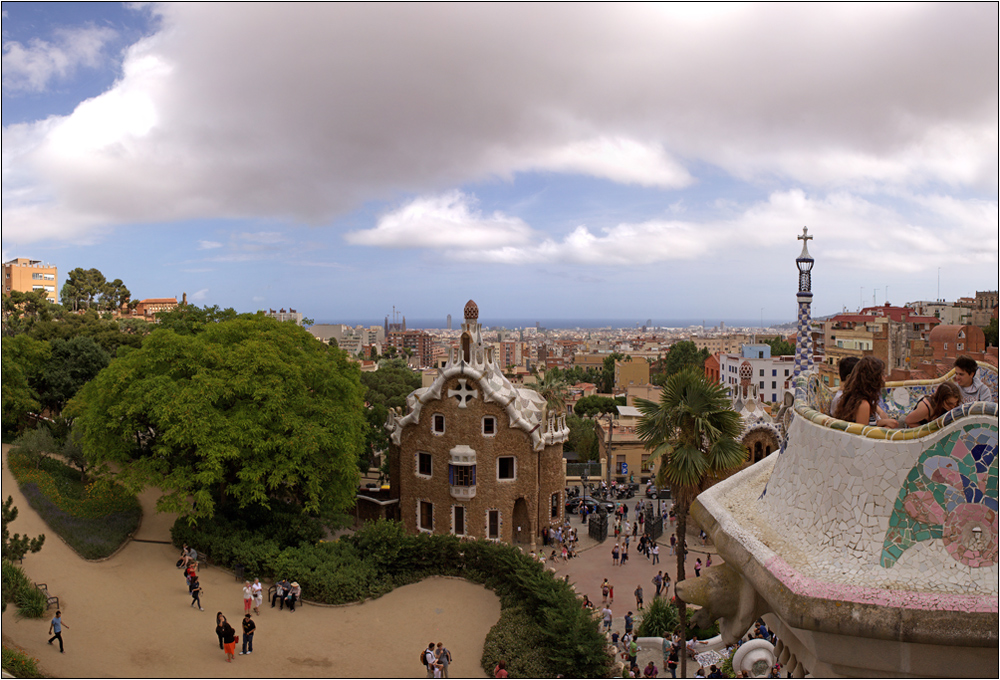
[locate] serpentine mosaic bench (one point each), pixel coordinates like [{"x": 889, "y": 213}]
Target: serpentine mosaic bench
[{"x": 868, "y": 535}]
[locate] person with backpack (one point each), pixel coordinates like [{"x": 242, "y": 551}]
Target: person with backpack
[{"x": 429, "y": 658}]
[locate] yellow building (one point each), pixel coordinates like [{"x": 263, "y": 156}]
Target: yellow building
[
  {"x": 625, "y": 453},
  {"x": 631, "y": 373},
  {"x": 25, "y": 275}
]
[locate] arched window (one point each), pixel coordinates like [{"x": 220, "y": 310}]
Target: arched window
[{"x": 466, "y": 348}]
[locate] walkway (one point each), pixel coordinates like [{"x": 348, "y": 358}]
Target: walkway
[
  {"x": 594, "y": 564},
  {"x": 129, "y": 616}
]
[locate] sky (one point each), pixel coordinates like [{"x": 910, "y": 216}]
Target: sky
[{"x": 556, "y": 161}]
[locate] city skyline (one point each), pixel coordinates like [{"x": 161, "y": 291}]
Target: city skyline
[{"x": 550, "y": 162}]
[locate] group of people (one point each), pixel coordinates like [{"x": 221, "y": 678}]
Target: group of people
[
  {"x": 437, "y": 659},
  {"x": 563, "y": 539},
  {"x": 228, "y": 639},
  {"x": 647, "y": 546},
  {"x": 862, "y": 381},
  {"x": 189, "y": 563},
  {"x": 286, "y": 593}
]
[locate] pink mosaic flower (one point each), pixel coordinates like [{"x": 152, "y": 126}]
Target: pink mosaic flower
[{"x": 970, "y": 534}]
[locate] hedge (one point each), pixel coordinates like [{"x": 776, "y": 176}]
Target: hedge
[{"x": 540, "y": 612}]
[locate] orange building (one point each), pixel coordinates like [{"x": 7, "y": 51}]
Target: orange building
[
  {"x": 150, "y": 306},
  {"x": 26, "y": 275}
]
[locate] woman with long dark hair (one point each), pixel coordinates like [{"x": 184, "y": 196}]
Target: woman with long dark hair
[
  {"x": 945, "y": 398},
  {"x": 859, "y": 403}
]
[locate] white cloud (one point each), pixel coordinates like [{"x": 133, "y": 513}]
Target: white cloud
[
  {"x": 204, "y": 124},
  {"x": 446, "y": 222},
  {"x": 30, "y": 67},
  {"x": 208, "y": 245},
  {"x": 199, "y": 296},
  {"x": 856, "y": 235}
]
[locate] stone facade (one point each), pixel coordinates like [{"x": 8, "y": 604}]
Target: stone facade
[{"x": 474, "y": 455}]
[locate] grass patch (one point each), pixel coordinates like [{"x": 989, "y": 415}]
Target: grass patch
[
  {"x": 19, "y": 664},
  {"x": 95, "y": 519}
]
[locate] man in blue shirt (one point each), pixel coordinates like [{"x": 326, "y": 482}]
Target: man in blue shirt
[{"x": 56, "y": 627}]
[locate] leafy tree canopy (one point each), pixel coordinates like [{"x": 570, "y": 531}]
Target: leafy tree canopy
[
  {"x": 16, "y": 547},
  {"x": 72, "y": 364},
  {"x": 243, "y": 411},
  {"x": 110, "y": 334},
  {"x": 991, "y": 333},
  {"x": 780, "y": 347},
  {"x": 682, "y": 355},
  {"x": 384, "y": 389},
  {"x": 191, "y": 319},
  {"x": 24, "y": 358},
  {"x": 21, "y": 311},
  {"x": 595, "y": 404},
  {"x": 89, "y": 289},
  {"x": 582, "y": 438}
]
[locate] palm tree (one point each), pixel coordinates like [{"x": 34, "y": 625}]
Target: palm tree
[
  {"x": 553, "y": 390},
  {"x": 692, "y": 431}
]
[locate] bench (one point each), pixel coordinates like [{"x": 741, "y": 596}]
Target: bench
[{"x": 49, "y": 599}]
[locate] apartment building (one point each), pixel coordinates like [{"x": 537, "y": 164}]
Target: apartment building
[
  {"x": 771, "y": 375},
  {"x": 420, "y": 343},
  {"x": 27, "y": 275}
]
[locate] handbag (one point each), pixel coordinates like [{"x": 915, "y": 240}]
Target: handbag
[{"x": 236, "y": 639}]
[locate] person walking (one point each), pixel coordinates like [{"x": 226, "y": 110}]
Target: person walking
[
  {"x": 248, "y": 630},
  {"x": 606, "y": 616},
  {"x": 55, "y": 627},
  {"x": 444, "y": 658},
  {"x": 655, "y": 550},
  {"x": 247, "y": 597},
  {"x": 666, "y": 585},
  {"x": 605, "y": 590},
  {"x": 195, "y": 589},
  {"x": 697, "y": 567},
  {"x": 658, "y": 582},
  {"x": 257, "y": 592},
  {"x": 638, "y": 597},
  {"x": 673, "y": 544},
  {"x": 614, "y": 555}
]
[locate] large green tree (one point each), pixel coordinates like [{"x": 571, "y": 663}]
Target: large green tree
[
  {"x": 384, "y": 389},
  {"x": 595, "y": 404},
  {"x": 21, "y": 311},
  {"x": 24, "y": 359},
  {"x": 72, "y": 364},
  {"x": 244, "y": 412},
  {"x": 780, "y": 347},
  {"x": 692, "y": 430},
  {"x": 582, "y": 438},
  {"x": 682, "y": 355}
]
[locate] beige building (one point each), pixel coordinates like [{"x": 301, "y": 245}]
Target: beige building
[
  {"x": 621, "y": 447},
  {"x": 725, "y": 344},
  {"x": 631, "y": 372},
  {"x": 474, "y": 455},
  {"x": 26, "y": 275}
]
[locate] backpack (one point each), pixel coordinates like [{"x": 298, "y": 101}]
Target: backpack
[{"x": 423, "y": 657}]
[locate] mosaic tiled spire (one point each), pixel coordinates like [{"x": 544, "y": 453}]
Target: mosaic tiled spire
[{"x": 803, "y": 340}]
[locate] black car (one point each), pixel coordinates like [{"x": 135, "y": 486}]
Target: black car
[{"x": 573, "y": 506}]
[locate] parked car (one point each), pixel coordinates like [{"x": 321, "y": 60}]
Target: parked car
[
  {"x": 573, "y": 506},
  {"x": 653, "y": 492}
]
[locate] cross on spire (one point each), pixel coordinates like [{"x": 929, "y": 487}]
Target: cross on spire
[{"x": 805, "y": 236}]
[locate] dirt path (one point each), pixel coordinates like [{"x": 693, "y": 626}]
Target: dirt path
[{"x": 129, "y": 616}]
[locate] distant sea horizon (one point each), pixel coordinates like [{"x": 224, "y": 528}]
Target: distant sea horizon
[{"x": 568, "y": 324}]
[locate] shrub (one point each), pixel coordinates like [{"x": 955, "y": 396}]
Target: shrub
[
  {"x": 660, "y": 619},
  {"x": 18, "y": 588},
  {"x": 514, "y": 639},
  {"x": 19, "y": 664}
]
